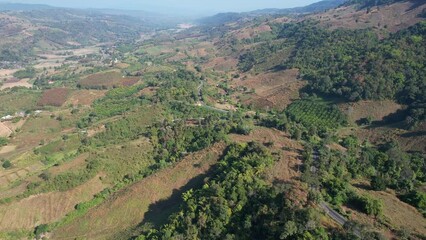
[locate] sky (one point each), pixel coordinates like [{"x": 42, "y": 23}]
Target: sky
[{"x": 189, "y": 6}]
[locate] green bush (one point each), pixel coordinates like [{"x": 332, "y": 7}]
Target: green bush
[{"x": 7, "y": 164}]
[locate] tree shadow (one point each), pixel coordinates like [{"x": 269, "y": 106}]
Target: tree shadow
[
  {"x": 159, "y": 212},
  {"x": 416, "y": 4},
  {"x": 414, "y": 134},
  {"x": 363, "y": 186}
]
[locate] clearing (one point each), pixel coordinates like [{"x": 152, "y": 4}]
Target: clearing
[
  {"x": 84, "y": 97},
  {"x": 107, "y": 80},
  {"x": 18, "y": 83},
  {"x": 272, "y": 90},
  {"x": 54, "y": 97}
]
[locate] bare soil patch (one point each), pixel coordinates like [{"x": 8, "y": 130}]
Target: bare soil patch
[
  {"x": 19, "y": 83},
  {"x": 4, "y": 130}
]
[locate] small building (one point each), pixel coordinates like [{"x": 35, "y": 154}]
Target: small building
[{"x": 7, "y": 118}]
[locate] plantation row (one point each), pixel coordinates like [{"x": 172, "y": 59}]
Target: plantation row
[{"x": 314, "y": 113}]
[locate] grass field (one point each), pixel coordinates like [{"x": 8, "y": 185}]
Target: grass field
[{"x": 18, "y": 100}]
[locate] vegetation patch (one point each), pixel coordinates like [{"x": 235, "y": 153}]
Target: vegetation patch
[
  {"x": 107, "y": 80},
  {"x": 314, "y": 112},
  {"x": 54, "y": 97}
]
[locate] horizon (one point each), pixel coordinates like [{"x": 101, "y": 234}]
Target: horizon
[{"x": 184, "y": 7}]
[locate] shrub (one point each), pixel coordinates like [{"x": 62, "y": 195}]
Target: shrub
[{"x": 7, "y": 164}]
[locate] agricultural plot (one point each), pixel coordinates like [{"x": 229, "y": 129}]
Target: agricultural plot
[
  {"x": 316, "y": 113},
  {"x": 107, "y": 80},
  {"x": 54, "y": 97},
  {"x": 18, "y": 100}
]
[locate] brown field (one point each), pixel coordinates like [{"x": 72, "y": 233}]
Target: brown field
[
  {"x": 54, "y": 97},
  {"x": 251, "y": 32},
  {"x": 19, "y": 83},
  {"x": 4, "y": 130},
  {"x": 149, "y": 91},
  {"x": 413, "y": 140},
  {"x": 107, "y": 80},
  {"x": 150, "y": 200},
  {"x": 15, "y": 173},
  {"x": 36, "y": 129},
  {"x": 397, "y": 213},
  {"x": 45, "y": 208},
  {"x": 84, "y": 97},
  {"x": 222, "y": 64},
  {"x": 4, "y": 73},
  {"x": 272, "y": 90},
  {"x": 393, "y": 17},
  {"x": 77, "y": 163},
  {"x": 375, "y": 109}
]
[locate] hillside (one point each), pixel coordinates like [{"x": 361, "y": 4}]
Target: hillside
[{"x": 304, "y": 123}]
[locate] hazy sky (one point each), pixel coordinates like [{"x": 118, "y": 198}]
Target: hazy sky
[{"x": 201, "y": 6}]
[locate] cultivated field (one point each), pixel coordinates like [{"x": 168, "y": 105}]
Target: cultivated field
[
  {"x": 107, "y": 80},
  {"x": 84, "y": 97},
  {"x": 54, "y": 97}
]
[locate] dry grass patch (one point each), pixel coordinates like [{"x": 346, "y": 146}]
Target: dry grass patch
[
  {"x": 19, "y": 83},
  {"x": 85, "y": 97},
  {"x": 399, "y": 214},
  {"x": 273, "y": 89},
  {"x": 392, "y": 17},
  {"x": 107, "y": 80},
  {"x": 132, "y": 205},
  {"x": 45, "y": 208},
  {"x": 377, "y": 110}
]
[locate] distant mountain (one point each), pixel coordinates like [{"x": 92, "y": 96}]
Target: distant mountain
[
  {"x": 23, "y": 7},
  {"x": 223, "y": 18},
  {"x": 315, "y": 7}
]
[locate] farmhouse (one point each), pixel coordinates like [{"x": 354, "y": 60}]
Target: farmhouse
[{"x": 7, "y": 118}]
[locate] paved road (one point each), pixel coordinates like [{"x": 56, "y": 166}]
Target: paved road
[
  {"x": 337, "y": 217},
  {"x": 333, "y": 214}
]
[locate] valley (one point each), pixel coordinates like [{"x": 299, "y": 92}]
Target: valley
[{"x": 270, "y": 124}]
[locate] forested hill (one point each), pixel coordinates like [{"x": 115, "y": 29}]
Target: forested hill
[
  {"x": 23, "y": 7},
  {"x": 222, "y": 18},
  {"x": 371, "y": 3}
]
